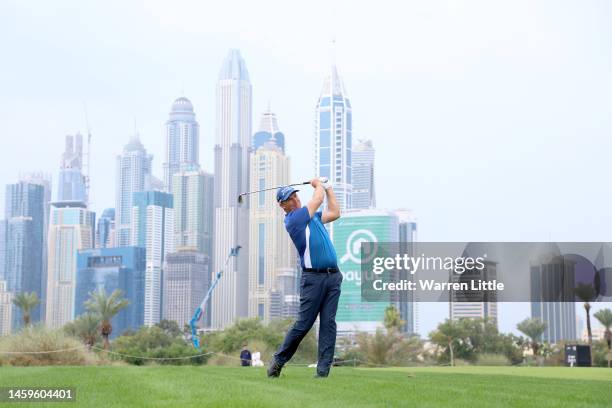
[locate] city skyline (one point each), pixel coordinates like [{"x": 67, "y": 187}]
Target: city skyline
[{"x": 493, "y": 125}]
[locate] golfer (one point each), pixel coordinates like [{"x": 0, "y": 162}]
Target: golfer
[{"x": 321, "y": 279}]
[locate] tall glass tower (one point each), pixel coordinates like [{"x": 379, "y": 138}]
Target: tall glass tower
[
  {"x": 2, "y": 249},
  {"x": 333, "y": 138},
  {"x": 133, "y": 175},
  {"x": 106, "y": 229},
  {"x": 408, "y": 303},
  {"x": 71, "y": 184},
  {"x": 45, "y": 181},
  {"x": 109, "y": 269},
  {"x": 182, "y": 140},
  {"x": 233, "y": 139},
  {"x": 190, "y": 200},
  {"x": 153, "y": 229},
  {"x": 25, "y": 217},
  {"x": 363, "y": 175},
  {"x": 551, "y": 272}
]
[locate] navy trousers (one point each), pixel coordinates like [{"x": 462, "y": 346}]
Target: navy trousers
[{"x": 319, "y": 295}]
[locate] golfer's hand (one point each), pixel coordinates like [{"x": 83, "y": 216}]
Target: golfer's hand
[
  {"x": 315, "y": 182},
  {"x": 325, "y": 182}
]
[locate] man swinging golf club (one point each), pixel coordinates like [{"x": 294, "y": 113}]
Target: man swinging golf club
[{"x": 321, "y": 279}]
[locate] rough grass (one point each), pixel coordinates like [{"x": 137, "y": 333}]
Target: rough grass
[
  {"x": 40, "y": 339},
  {"x": 208, "y": 386}
]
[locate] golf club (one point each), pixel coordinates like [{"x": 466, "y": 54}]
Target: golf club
[{"x": 240, "y": 197}]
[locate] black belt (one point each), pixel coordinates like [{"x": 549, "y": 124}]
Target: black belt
[{"x": 321, "y": 270}]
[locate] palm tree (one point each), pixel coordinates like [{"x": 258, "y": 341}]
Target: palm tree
[
  {"x": 533, "y": 328},
  {"x": 392, "y": 318},
  {"x": 605, "y": 318},
  {"x": 106, "y": 307},
  {"x": 447, "y": 333},
  {"x": 586, "y": 293},
  {"x": 86, "y": 327},
  {"x": 26, "y": 301}
]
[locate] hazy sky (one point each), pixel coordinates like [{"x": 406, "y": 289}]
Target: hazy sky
[{"x": 492, "y": 120}]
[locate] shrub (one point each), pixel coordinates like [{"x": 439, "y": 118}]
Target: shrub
[
  {"x": 155, "y": 342},
  {"x": 492, "y": 359},
  {"x": 600, "y": 353},
  {"x": 388, "y": 347},
  {"x": 40, "y": 339},
  {"x": 267, "y": 339}
]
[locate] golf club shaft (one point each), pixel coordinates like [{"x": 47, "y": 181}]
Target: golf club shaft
[{"x": 274, "y": 188}]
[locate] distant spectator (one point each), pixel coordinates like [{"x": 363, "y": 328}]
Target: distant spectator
[{"x": 245, "y": 356}]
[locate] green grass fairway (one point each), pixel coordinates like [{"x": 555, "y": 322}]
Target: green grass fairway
[{"x": 209, "y": 386}]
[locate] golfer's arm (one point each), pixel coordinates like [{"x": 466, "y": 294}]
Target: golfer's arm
[
  {"x": 332, "y": 213},
  {"x": 316, "y": 200}
]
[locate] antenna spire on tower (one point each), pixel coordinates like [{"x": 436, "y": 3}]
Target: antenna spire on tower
[{"x": 333, "y": 50}]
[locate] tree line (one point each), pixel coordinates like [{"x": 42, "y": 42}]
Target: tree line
[{"x": 468, "y": 340}]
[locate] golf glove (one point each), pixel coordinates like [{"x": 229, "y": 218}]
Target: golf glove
[{"x": 325, "y": 182}]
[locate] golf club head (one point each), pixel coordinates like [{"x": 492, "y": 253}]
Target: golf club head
[{"x": 240, "y": 199}]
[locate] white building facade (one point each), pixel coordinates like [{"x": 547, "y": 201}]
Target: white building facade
[
  {"x": 270, "y": 249},
  {"x": 364, "y": 195},
  {"x": 133, "y": 175},
  {"x": 153, "y": 229},
  {"x": 6, "y": 307},
  {"x": 182, "y": 140},
  {"x": 231, "y": 228},
  {"x": 71, "y": 228}
]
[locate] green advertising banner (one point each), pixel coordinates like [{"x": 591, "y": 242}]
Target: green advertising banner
[{"x": 348, "y": 233}]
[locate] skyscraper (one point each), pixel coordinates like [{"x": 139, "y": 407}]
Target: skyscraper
[
  {"x": 285, "y": 297},
  {"x": 192, "y": 227},
  {"x": 45, "y": 181},
  {"x": 363, "y": 175},
  {"x": 233, "y": 139},
  {"x": 22, "y": 269},
  {"x": 24, "y": 212},
  {"x": 553, "y": 275},
  {"x": 270, "y": 248},
  {"x": 209, "y": 218},
  {"x": 194, "y": 217},
  {"x": 182, "y": 140},
  {"x": 268, "y": 131},
  {"x": 2, "y": 249},
  {"x": 333, "y": 138},
  {"x": 407, "y": 304},
  {"x": 71, "y": 184},
  {"x": 6, "y": 309},
  {"x": 186, "y": 280},
  {"x": 153, "y": 229},
  {"x": 109, "y": 269},
  {"x": 105, "y": 234},
  {"x": 133, "y": 175},
  {"x": 71, "y": 228},
  {"x": 475, "y": 304}
]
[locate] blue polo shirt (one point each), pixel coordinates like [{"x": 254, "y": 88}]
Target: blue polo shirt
[{"x": 311, "y": 239}]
